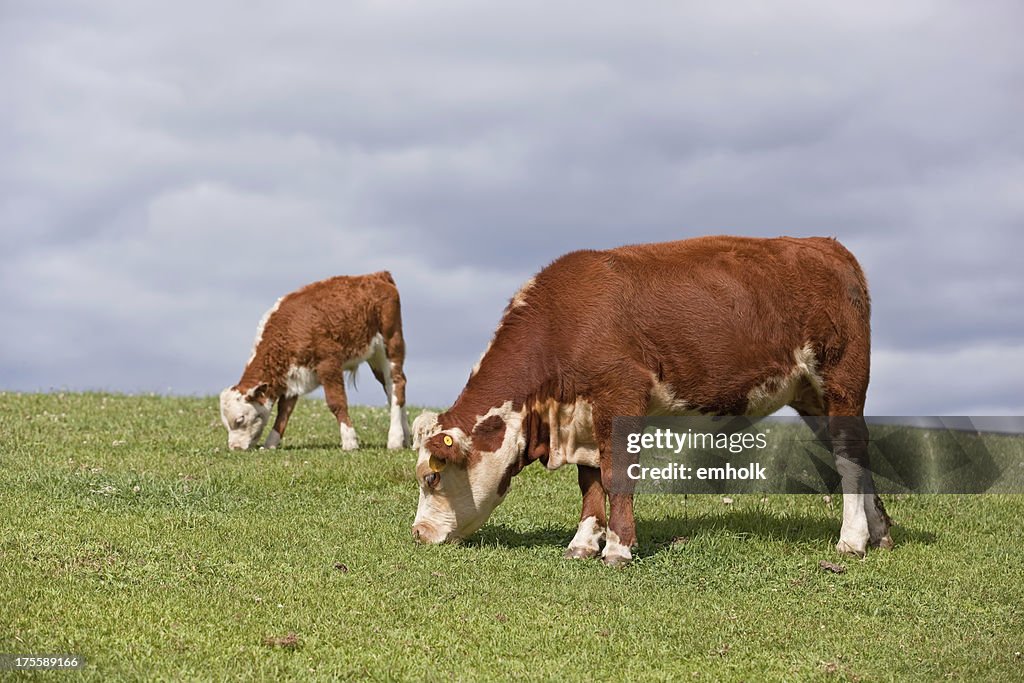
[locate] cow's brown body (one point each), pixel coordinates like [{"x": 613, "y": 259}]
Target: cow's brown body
[
  {"x": 313, "y": 336},
  {"x": 715, "y": 325}
]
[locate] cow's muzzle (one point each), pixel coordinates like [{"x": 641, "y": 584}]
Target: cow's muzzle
[{"x": 424, "y": 532}]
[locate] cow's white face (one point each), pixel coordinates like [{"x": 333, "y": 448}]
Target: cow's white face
[
  {"x": 463, "y": 477},
  {"x": 244, "y": 415}
]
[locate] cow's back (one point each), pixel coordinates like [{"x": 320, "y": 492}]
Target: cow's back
[
  {"x": 714, "y": 317},
  {"x": 337, "y": 317}
]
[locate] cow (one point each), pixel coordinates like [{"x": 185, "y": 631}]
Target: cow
[
  {"x": 310, "y": 338},
  {"x": 707, "y": 326}
]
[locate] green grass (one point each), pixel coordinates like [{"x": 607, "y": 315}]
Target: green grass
[{"x": 131, "y": 536}]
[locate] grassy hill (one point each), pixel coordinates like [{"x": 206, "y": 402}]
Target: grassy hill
[{"x": 129, "y": 535}]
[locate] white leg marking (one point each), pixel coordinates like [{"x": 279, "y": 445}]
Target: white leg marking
[
  {"x": 615, "y": 554},
  {"x": 273, "y": 439},
  {"x": 587, "y": 541},
  {"x": 349, "y": 442},
  {"x": 853, "y": 535},
  {"x": 398, "y": 432}
]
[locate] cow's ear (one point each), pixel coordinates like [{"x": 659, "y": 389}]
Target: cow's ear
[
  {"x": 257, "y": 393},
  {"x": 423, "y": 425},
  {"x": 447, "y": 448}
]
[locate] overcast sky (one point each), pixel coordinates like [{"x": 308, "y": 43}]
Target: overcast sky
[{"x": 167, "y": 170}]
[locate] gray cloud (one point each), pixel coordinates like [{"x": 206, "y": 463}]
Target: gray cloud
[{"x": 170, "y": 170}]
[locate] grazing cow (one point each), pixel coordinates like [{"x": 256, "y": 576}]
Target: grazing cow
[
  {"x": 310, "y": 338},
  {"x": 714, "y": 325}
]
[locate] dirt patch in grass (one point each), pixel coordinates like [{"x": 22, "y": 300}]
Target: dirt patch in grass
[
  {"x": 832, "y": 567},
  {"x": 291, "y": 641}
]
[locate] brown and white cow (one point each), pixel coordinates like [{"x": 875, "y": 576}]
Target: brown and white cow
[
  {"x": 714, "y": 325},
  {"x": 310, "y": 338}
]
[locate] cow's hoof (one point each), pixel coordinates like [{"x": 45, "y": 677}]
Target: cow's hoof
[
  {"x": 349, "y": 442},
  {"x": 580, "y": 553},
  {"x": 885, "y": 543},
  {"x": 273, "y": 439},
  {"x": 396, "y": 438},
  {"x": 616, "y": 560},
  {"x": 846, "y": 548}
]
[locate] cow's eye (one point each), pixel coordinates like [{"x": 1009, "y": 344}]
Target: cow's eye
[
  {"x": 239, "y": 421},
  {"x": 432, "y": 479}
]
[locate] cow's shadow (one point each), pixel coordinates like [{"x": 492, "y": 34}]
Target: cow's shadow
[
  {"x": 335, "y": 444},
  {"x": 657, "y": 534}
]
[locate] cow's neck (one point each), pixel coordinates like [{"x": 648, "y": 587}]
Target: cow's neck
[
  {"x": 508, "y": 372},
  {"x": 263, "y": 368}
]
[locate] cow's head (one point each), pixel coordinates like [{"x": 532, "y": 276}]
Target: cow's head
[
  {"x": 463, "y": 477},
  {"x": 244, "y": 414}
]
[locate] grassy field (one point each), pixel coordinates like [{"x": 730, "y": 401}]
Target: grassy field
[{"x": 131, "y": 536}]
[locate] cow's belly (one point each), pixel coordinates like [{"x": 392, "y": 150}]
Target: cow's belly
[
  {"x": 375, "y": 348},
  {"x": 800, "y": 384},
  {"x": 572, "y": 424}
]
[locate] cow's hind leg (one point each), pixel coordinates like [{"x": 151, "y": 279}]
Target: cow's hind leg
[
  {"x": 864, "y": 517},
  {"x": 878, "y": 523},
  {"x": 593, "y": 521},
  {"x": 399, "y": 433},
  {"x": 851, "y": 460},
  {"x": 387, "y": 368},
  {"x": 284, "y": 411},
  {"x": 332, "y": 376},
  {"x": 854, "y": 468},
  {"x": 845, "y": 434},
  {"x": 865, "y": 520}
]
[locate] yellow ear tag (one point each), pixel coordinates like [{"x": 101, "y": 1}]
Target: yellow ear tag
[
  {"x": 436, "y": 464},
  {"x": 448, "y": 440}
]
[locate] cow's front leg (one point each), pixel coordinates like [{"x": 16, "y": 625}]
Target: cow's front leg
[
  {"x": 284, "y": 411},
  {"x": 621, "y": 536},
  {"x": 593, "y": 521},
  {"x": 333, "y": 379}
]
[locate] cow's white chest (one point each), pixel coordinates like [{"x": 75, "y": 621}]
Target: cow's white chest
[
  {"x": 300, "y": 380},
  {"x": 571, "y": 428}
]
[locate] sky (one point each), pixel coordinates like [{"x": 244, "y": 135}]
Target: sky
[{"x": 167, "y": 170}]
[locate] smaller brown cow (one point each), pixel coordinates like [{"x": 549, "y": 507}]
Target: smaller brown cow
[{"x": 310, "y": 338}]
